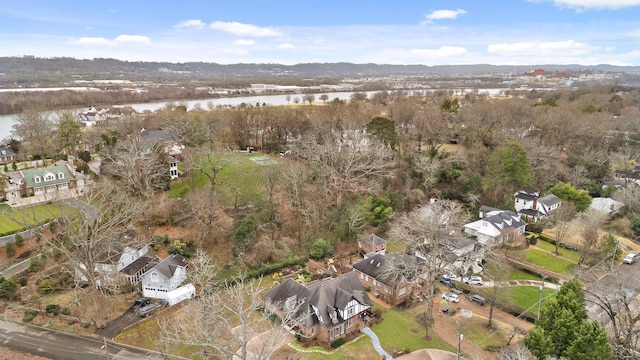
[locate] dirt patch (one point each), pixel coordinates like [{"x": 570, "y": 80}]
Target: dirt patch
[{"x": 10, "y": 354}]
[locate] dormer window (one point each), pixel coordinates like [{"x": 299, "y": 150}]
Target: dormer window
[
  {"x": 37, "y": 179},
  {"x": 60, "y": 175},
  {"x": 49, "y": 177}
]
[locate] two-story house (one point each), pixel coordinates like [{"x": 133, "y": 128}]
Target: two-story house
[
  {"x": 391, "y": 277},
  {"x": 496, "y": 228},
  {"x": 531, "y": 206},
  {"x": 41, "y": 181},
  {"x": 171, "y": 144},
  {"x": 324, "y": 310},
  {"x": 116, "y": 268},
  {"x": 164, "y": 277}
]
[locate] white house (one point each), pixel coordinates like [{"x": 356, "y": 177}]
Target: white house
[
  {"x": 530, "y": 205},
  {"x": 121, "y": 268},
  {"x": 164, "y": 277},
  {"x": 496, "y": 229}
]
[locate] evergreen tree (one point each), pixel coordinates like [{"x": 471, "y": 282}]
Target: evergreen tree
[
  {"x": 591, "y": 343},
  {"x": 539, "y": 343},
  {"x": 563, "y": 324}
]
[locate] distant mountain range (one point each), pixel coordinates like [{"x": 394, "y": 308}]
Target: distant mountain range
[{"x": 27, "y": 69}]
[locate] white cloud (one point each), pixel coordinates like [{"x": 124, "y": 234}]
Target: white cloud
[
  {"x": 241, "y": 29},
  {"x": 119, "y": 40},
  {"x": 442, "y": 52},
  {"x": 542, "y": 49},
  {"x": 244, "y": 42},
  {"x": 634, "y": 33},
  {"x": 596, "y": 4},
  {"x": 443, "y": 14},
  {"x": 189, "y": 24},
  {"x": 132, "y": 39},
  {"x": 285, "y": 46}
]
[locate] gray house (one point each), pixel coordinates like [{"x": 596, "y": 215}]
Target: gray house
[{"x": 164, "y": 277}]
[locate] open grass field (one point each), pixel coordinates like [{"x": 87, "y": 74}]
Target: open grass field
[
  {"x": 527, "y": 297},
  {"x": 566, "y": 253},
  {"x": 517, "y": 274},
  {"x": 550, "y": 262},
  {"x": 241, "y": 179},
  {"x": 400, "y": 330}
]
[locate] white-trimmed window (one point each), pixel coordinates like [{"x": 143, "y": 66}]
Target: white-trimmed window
[
  {"x": 350, "y": 322},
  {"x": 49, "y": 177},
  {"x": 37, "y": 179},
  {"x": 155, "y": 277},
  {"x": 60, "y": 175}
]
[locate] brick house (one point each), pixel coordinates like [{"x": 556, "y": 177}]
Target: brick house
[
  {"x": 372, "y": 244},
  {"x": 325, "y": 310},
  {"x": 394, "y": 290}
]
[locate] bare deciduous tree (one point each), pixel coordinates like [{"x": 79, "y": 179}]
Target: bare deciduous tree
[
  {"x": 349, "y": 161},
  {"x": 89, "y": 241},
  {"x": 231, "y": 323},
  {"x": 426, "y": 230},
  {"x": 35, "y": 129},
  {"x": 140, "y": 169}
]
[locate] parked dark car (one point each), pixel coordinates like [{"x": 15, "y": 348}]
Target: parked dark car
[
  {"x": 139, "y": 303},
  {"x": 476, "y": 299}
]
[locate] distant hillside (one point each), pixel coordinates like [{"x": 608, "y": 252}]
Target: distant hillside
[{"x": 30, "y": 70}]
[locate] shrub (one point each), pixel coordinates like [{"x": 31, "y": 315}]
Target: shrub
[
  {"x": 10, "y": 249},
  {"x": 8, "y": 288},
  {"x": 53, "y": 309},
  {"x": 320, "y": 248},
  {"x": 29, "y": 314},
  {"x": 66, "y": 311},
  {"x": 19, "y": 240},
  {"x": 86, "y": 325},
  {"x": 23, "y": 280},
  {"x": 47, "y": 286},
  {"x": 35, "y": 265},
  {"x": 338, "y": 342}
]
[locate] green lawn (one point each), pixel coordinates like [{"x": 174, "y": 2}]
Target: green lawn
[
  {"x": 476, "y": 332},
  {"x": 549, "y": 262},
  {"x": 566, "y": 253},
  {"x": 395, "y": 332},
  {"x": 12, "y": 221},
  {"x": 526, "y": 297},
  {"x": 241, "y": 180},
  {"x": 517, "y": 274}
]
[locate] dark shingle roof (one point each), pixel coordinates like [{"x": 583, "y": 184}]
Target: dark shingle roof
[
  {"x": 137, "y": 265},
  {"x": 505, "y": 219},
  {"x": 168, "y": 266},
  {"x": 327, "y": 296},
  {"x": 158, "y": 135},
  {"x": 374, "y": 267}
]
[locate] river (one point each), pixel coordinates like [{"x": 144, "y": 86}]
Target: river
[{"x": 7, "y": 121}]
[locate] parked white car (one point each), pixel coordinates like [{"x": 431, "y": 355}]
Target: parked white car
[
  {"x": 473, "y": 280},
  {"x": 451, "y": 276},
  {"x": 630, "y": 258},
  {"x": 451, "y": 297}
]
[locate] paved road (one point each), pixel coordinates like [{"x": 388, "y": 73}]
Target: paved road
[
  {"x": 622, "y": 281},
  {"x": 89, "y": 211},
  {"x": 56, "y": 345},
  {"x": 16, "y": 269}
]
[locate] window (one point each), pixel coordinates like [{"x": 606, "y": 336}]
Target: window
[
  {"x": 351, "y": 310},
  {"x": 60, "y": 175},
  {"x": 350, "y": 322},
  {"x": 361, "y": 276},
  {"x": 36, "y": 179},
  {"x": 49, "y": 177},
  {"x": 402, "y": 291},
  {"x": 155, "y": 277}
]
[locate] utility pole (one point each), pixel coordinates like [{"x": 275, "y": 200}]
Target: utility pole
[
  {"x": 460, "y": 337},
  {"x": 540, "y": 301}
]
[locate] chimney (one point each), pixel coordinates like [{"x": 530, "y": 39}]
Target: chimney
[{"x": 535, "y": 203}]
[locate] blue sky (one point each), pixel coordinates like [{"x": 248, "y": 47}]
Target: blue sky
[{"x": 514, "y": 32}]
